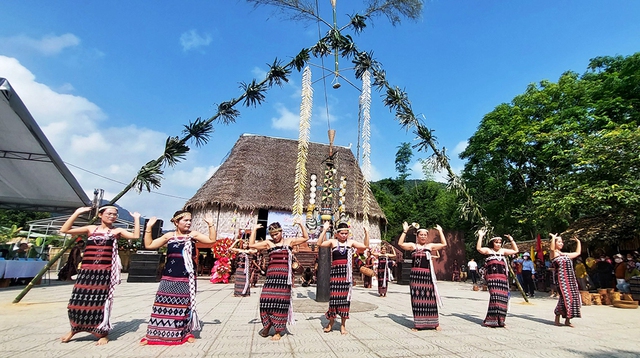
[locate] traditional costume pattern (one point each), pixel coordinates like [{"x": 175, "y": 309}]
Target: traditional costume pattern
[
  {"x": 569, "y": 300},
  {"x": 383, "y": 274},
  {"x": 496, "y": 278},
  {"x": 174, "y": 316},
  {"x": 92, "y": 296},
  {"x": 424, "y": 291},
  {"x": 340, "y": 282},
  {"x": 243, "y": 269},
  {"x": 276, "y": 308}
]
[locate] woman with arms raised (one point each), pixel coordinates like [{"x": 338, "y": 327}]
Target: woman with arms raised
[
  {"x": 422, "y": 280},
  {"x": 174, "y": 316},
  {"x": 496, "y": 273},
  {"x": 569, "y": 300},
  {"x": 92, "y": 296},
  {"x": 276, "y": 309},
  {"x": 341, "y": 276}
]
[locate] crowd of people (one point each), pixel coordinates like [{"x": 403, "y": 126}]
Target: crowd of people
[{"x": 174, "y": 317}]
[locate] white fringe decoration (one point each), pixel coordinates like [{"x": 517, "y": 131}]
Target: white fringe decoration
[
  {"x": 306, "y": 107},
  {"x": 365, "y": 107}
]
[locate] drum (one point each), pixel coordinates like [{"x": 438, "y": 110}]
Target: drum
[{"x": 367, "y": 271}]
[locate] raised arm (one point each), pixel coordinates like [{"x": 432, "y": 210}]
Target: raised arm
[
  {"x": 252, "y": 239},
  {"x": 67, "y": 226},
  {"x": 393, "y": 250},
  {"x": 443, "y": 240},
  {"x": 514, "y": 249},
  {"x": 323, "y": 235},
  {"x": 482, "y": 250},
  {"x": 401, "y": 243},
  {"x": 365, "y": 245},
  {"x": 578, "y": 251},
  {"x": 213, "y": 232},
  {"x": 135, "y": 235},
  {"x": 305, "y": 235}
]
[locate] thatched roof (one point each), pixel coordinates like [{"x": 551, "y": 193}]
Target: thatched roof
[{"x": 259, "y": 173}]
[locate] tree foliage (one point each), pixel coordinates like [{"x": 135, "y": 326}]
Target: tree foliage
[
  {"x": 561, "y": 151},
  {"x": 403, "y": 158}
]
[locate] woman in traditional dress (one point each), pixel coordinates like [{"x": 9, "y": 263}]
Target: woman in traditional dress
[
  {"x": 384, "y": 268},
  {"x": 92, "y": 296},
  {"x": 276, "y": 309},
  {"x": 422, "y": 279},
  {"x": 569, "y": 300},
  {"x": 174, "y": 316},
  {"x": 341, "y": 276},
  {"x": 368, "y": 263},
  {"x": 495, "y": 277},
  {"x": 244, "y": 257}
]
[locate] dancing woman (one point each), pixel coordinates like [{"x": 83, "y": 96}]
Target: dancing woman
[
  {"x": 244, "y": 258},
  {"x": 569, "y": 300},
  {"x": 174, "y": 316},
  {"x": 92, "y": 296},
  {"x": 422, "y": 280},
  {"x": 276, "y": 309},
  {"x": 496, "y": 273},
  {"x": 384, "y": 263},
  {"x": 341, "y": 276}
]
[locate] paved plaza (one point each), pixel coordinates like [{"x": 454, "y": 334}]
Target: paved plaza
[{"x": 378, "y": 327}]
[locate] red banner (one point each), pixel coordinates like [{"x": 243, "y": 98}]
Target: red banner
[{"x": 540, "y": 255}]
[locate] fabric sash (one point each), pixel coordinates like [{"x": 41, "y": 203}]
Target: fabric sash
[
  {"x": 433, "y": 278},
  {"x": 116, "y": 267},
  {"x": 246, "y": 273},
  {"x": 187, "y": 256}
]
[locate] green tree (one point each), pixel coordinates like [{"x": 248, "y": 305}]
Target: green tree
[
  {"x": 403, "y": 158},
  {"x": 560, "y": 151},
  {"x": 20, "y": 217}
]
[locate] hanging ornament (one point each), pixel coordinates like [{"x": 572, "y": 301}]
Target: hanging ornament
[{"x": 306, "y": 107}]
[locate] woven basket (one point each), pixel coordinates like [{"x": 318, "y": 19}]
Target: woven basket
[
  {"x": 625, "y": 304},
  {"x": 586, "y": 298},
  {"x": 596, "y": 299},
  {"x": 367, "y": 271},
  {"x": 626, "y": 297},
  {"x": 615, "y": 296}
]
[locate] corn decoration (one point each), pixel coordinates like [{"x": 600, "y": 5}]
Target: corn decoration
[
  {"x": 312, "y": 223},
  {"x": 342, "y": 191},
  {"x": 365, "y": 108},
  {"x": 306, "y": 107}
]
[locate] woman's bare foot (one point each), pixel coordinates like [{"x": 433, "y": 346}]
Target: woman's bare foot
[
  {"x": 343, "y": 330},
  {"x": 438, "y": 328},
  {"x": 144, "y": 342},
  {"x": 568, "y": 323},
  {"x": 191, "y": 339},
  {"x": 102, "y": 341},
  {"x": 67, "y": 337},
  {"x": 276, "y": 337},
  {"x": 557, "y": 321},
  {"x": 327, "y": 329},
  {"x": 414, "y": 329}
]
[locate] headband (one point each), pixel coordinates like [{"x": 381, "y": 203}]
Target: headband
[
  {"x": 107, "y": 207},
  {"x": 275, "y": 229},
  {"x": 177, "y": 217}
]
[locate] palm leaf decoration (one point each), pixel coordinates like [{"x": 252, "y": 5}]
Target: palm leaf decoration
[
  {"x": 277, "y": 73},
  {"x": 227, "y": 113},
  {"x": 200, "y": 131},
  {"x": 174, "y": 151},
  {"x": 253, "y": 93},
  {"x": 301, "y": 59},
  {"x": 149, "y": 176},
  {"x": 358, "y": 23}
]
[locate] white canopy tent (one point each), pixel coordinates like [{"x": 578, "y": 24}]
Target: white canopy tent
[{"x": 32, "y": 175}]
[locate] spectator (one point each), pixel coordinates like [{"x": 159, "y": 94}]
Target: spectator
[
  {"x": 473, "y": 270},
  {"x": 528, "y": 270},
  {"x": 630, "y": 272},
  {"x": 456, "y": 271},
  {"x": 581, "y": 275}
]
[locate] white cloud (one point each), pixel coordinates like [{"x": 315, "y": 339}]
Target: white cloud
[
  {"x": 191, "y": 40},
  {"x": 258, "y": 73},
  {"x": 287, "y": 119},
  {"x": 48, "y": 45},
  {"x": 99, "y": 155},
  {"x": 460, "y": 147}
]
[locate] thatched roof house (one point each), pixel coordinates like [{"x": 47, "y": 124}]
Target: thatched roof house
[{"x": 257, "y": 179}]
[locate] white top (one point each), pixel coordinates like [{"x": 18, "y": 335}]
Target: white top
[{"x": 472, "y": 265}]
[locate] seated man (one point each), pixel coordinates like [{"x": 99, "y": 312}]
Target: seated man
[
  {"x": 631, "y": 271},
  {"x": 307, "y": 277}
]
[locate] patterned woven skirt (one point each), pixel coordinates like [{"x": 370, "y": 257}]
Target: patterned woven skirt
[
  {"x": 240, "y": 281},
  {"x": 569, "y": 300},
  {"x": 380, "y": 274},
  {"x": 275, "y": 298},
  {"x": 496, "y": 277},
  {"x": 339, "y": 303},
  {"x": 170, "y": 315},
  {"x": 86, "y": 307},
  {"x": 423, "y": 299}
]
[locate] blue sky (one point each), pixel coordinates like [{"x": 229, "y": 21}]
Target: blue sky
[{"x": 109, "y": 81}]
